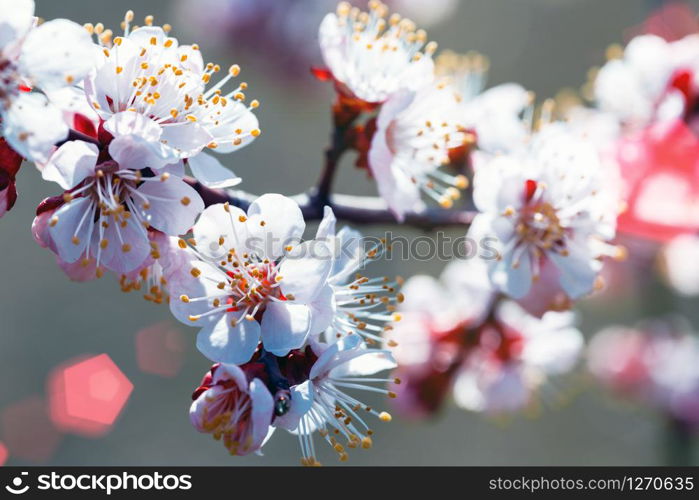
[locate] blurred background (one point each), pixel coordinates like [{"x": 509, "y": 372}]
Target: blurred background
[{"x": 54, "y": 331}]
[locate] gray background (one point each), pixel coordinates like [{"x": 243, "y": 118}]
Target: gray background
[{"x": 46, "y": 319}]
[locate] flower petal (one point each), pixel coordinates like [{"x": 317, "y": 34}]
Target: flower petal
[
  {"x": 578, "y": 270},
  {"x": 186, "y": 138},
  {"x": 326, "y": 228},
  {"x": 322, "y": 310},
  {"x": 394, "y": 186},
  {"x": 205, "y": 285},
  {"x": 136, "y": 143},
  {"x": 261, "y": 417},
  {"x": 217, "y": 222},
  {"x": 56, "y": 54},
  {"x": 32, "y": 126},
  {"x": 275, "y": 222},
  {"x": 235, "y": 129},
  {"x": 221, "y": 342},
  {"x": 16, "y": 17},
  {"x": 305, "y": 270},
  {"x": 71, "y": 164},
  {"x": 285, "y": 327},
  {"x": 301, "y": 402},
  {"x": 512, "y": 277},
  {"x": 174, "y": 205},
  {"x": 128, "y": 246},
  {"x": 71, "y": 227},
  {"x": 210, "y": 172}
]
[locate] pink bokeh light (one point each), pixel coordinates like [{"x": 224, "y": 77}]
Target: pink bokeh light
[
  {"x": 4, "y": 454},
  {"x": 28, "y": 432},
  {"x": 87, "y": 394},
  {"x": 160, "y": 349}
]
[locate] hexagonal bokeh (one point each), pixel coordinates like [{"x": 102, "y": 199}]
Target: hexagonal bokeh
[
  {"x": 28, "y": 432},
  {"x": 87, "y": 395},
  {"x": 160, "y": 349}
]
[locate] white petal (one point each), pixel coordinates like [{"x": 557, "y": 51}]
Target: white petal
[
  {"x": 365, "y": 363},
  {"x": 349, "y": 255},
  {"x": 133, "y": 123},
  {"x": 72, "y": 100},
  {"x": 261, "y": 418},
  {"x": 498, "y": 184},
  {"x": 136, "y": 143},
  {"x": 104, "y": 88},
  {"x": 143, "y": 35},
  {"x": 327, "y": 358},
  {"x": 555, "y": 351},
  {"x": 193, "y": 61},
  {"x": 32, "y": 126},
  {"x": 322, "y": 310},
  {"x": 326, "y": 228},
  {"x": 236, "y": 118},
  {"x": 270, "y": 432},
  {"x": 211, "y": 173},
  {"x": 353, "y": 358},
  {"x": 135, "y": 153},
  {"x": 71, "y": 164},
  {"x": 275, "y": 222},
  {"x": 285, "y": 327},
  {"x": 578, "y": 270},
  {"x": 56, "y": 54},
  {"x": 301, "y": 402},
  {"x": 221, "y": 342},
  {"x": 174, "y": 205},
  {"x": 216, "y": 222},
  {"x": 68, "y": 219},
  {"x": 305, "y": 270},
  {"x": 176, "y": 169},
  {"x": 186, "y": 139},
  {"x": 496, "y": 114},
  {"x": 513, "y": 280},
  {"x": 117, "y": 258},
  {"x": 16, "y": 17},
  {"x": 205, "y": 285},
  {"x": 399, "y": 192},
  {"x": 331, "y": 38}
]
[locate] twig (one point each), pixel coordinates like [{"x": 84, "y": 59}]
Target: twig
[
  {"x": 74, "y": 135},
  {"x": 332, "y": 158}
]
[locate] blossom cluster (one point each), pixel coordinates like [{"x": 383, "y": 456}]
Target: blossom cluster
[
  {"x": 131, "y": 128},
  {"x": 489, "y": 353},
  {"x": 654, "y": 362}
]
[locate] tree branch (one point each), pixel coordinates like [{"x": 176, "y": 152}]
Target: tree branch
[
  {"x": 352, "y": 209},
  {"x": 332, "y": 158}
]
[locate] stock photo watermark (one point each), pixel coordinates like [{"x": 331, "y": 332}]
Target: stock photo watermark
[{"x": 438, "y": 246}]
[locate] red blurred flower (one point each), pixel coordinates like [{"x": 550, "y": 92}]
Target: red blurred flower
[{"x": 660, "y": 174}]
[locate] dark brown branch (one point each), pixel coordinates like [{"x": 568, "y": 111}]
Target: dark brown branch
[
  {"x": 351, "y": 209},
  {"x": 332, "y": 158}
]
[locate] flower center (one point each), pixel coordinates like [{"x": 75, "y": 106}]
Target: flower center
[
  {"x": 539, "y": 225},
  {"x": 227, "y": 416},
  {"x": 164, "y": 84},
  {"x": 252, "y": 284},
  {"x": 247, "y": 284},
  {"x": 537, "y": 222}
]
